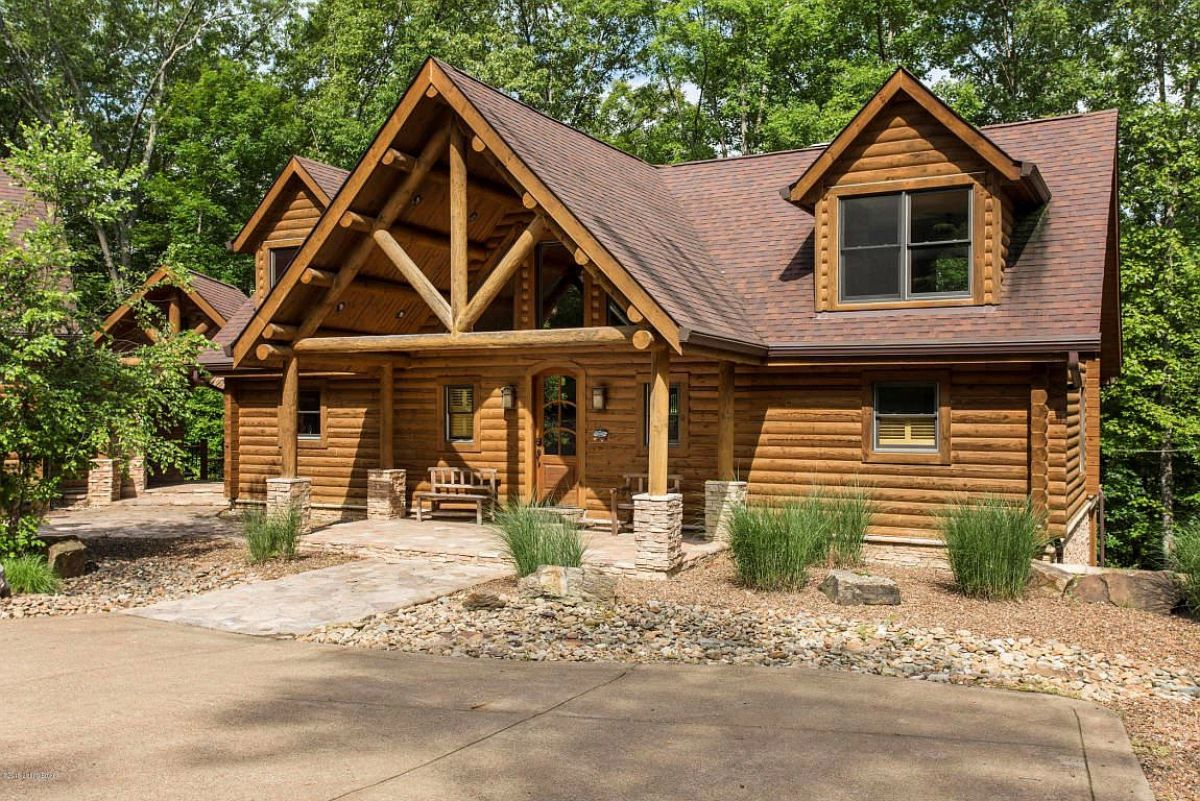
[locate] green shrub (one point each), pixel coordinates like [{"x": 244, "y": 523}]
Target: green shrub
[
  {"x": 773, "y": 545},
  {"x": 20, "y": 537},
  {"x": 534, "y": 536},
  {"x": 270, "y": 536},
  {"x": 1185, "y": 559},
  {"x": 990, "y": 543},
  {"x": 849, "y": 513},
  {"x": 30, "y": 573}
]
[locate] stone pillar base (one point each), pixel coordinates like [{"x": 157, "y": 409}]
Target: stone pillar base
[
  {"x": 283, "y": 493},
  {"x": 386, "y": 491},
  {"x": 720, "y": 498},
  {"x": 133, "y": 483},
  {"x": 104, "y": 486},
  {"x": 658, "y": 532}
]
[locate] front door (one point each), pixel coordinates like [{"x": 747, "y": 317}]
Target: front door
[{"x": 557, "y": 440}]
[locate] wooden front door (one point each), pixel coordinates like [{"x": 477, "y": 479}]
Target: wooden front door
[{"x": 557, "y": 438}]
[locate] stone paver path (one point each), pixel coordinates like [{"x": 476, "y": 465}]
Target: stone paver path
[{"x": 300, "y": 603}]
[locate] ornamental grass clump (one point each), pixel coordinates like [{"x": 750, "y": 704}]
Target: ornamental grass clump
[
  {"x": 990, "y": 543},
  {"x": 1185, "y": 560},
  {"x": 774, "y": 545},
  {"x": 848, "y": 513},
  {"x": 534, "y": 536},
  {"x": 30, "y": 573},
  {"x": 271, "y": 536}
]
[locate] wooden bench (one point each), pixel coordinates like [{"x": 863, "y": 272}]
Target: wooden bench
[
  {"x": 621, "y": 498},
  {"x": 458, "y": 485}
]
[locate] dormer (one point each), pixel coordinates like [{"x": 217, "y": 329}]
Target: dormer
[
  {"x": 913, "y": 206},
  {"x": 287, "y": 214}
]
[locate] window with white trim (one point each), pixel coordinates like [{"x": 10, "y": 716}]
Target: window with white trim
[
  {"x": 906, "y": 417},
  {"x": 905, "y": 246}
]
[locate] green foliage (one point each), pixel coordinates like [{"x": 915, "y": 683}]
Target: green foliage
[
  {"x": 29, "y": 573},
  {"x": 271, "y": 536},
  {"x": 1185, "y": 559},
  {"x": 20, "y": 536},
  {"x": 534, "y": 536},
  {"x": 990, "y": 543},
  {"x": 773, "y": 545}
]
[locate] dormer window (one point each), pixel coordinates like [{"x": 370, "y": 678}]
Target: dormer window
[{"x": 905, "y": 246}]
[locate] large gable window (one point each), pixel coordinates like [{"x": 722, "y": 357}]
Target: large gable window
[{"x": 905, "y": 246}]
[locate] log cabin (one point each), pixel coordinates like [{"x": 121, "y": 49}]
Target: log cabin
[{"x": 919, "y": 308}]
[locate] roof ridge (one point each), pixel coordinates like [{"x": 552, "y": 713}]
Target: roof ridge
[
  {"x": 560, "y": 123},
  {"x": 319, "y": 163},
  {"x": 1054, "y": 118},
  {"x": 213, "y": 278},
  {"x": 743, "y": 157}
]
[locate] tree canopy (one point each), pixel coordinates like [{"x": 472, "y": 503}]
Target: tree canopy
[{"x": 190, "y": 107}]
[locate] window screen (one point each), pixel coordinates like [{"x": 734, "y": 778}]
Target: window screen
[
  {"x": 460, "y": 413},
  {"x": 906, "y": 417}
]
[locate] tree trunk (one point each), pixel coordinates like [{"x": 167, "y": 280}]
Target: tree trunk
[{"x": 1166, "y": 493}]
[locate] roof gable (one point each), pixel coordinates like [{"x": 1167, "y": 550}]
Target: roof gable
[
  {"x": 320, "y": 181},
  {"x": 900, "y": 88},
  {"x": 217, "y": 300}
]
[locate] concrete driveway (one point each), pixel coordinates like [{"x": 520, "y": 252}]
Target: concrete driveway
[{"x": 116, "y": 707}]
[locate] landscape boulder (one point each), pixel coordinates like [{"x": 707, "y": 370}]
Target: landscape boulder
[
  {"x": 846, "y": 588},
  {"x": 5, "y": 590},
  {"x": 67, "y": 558},
  {"x": 1149, "y": 590},
  {"x": 483, "y": 600},
  {"x": 552, "y": 581},
  {"x": 1048, "y": 581}
]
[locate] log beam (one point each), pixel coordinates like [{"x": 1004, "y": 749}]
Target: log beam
[
  {"x": 538, "y": 337},
  {"x": 660, "y": 391},
  {"x": 725, "y": 421},
  {"x": 174, "y": 314},
  {"x": 507, "y": 267},
  {"x": 412, "y": 273},
  {"x": 279, "y": 331},
  {"x": 289, "y": 404},
  {"x": 416, "y": 234},
  {"x": 459, "y": 275},
  {"x": 314, "y": 277},
  {"x": 398, "y": 160}
]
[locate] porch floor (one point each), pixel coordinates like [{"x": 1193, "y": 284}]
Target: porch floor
[{"x": 457, "y": 541}]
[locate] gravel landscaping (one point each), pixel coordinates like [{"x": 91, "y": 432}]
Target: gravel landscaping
[
  {"x": 1146, "y": 666},
  {"x": 125, "y": 572}
]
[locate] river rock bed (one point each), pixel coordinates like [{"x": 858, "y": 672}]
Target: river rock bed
[{"x": 663, "y": 631}]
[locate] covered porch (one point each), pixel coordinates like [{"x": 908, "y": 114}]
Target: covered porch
[{"x": 458, "y": 541}]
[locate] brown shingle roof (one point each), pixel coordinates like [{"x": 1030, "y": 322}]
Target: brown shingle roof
[
  {"x": 15, "y": 196},
  {"x": 625, "y": 203},
  {"x": 1051, "y": 290},
  {"x": 328, "y": 177},
  {"x": 223, "y": 297}
]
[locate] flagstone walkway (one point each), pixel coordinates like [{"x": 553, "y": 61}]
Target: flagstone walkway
[{"x": 340, "y": 594}]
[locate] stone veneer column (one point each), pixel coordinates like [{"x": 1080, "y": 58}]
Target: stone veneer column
[
  {"x": 720, "y": 498},
  {"x": 658, "y": 533},
  {"x": 103, "y": 486},
  {"x": 135, "y": 487},
  {"x": 283, "y": 493},
  {"x": 386, "y": 491}
]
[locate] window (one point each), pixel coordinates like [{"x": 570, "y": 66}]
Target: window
[
  {"x": 460, "y": 413},
  {"x": 614, "y": 314},
  {"x": 906, "y": 417},
  {"x": 308, "y": 414},
  {"x": 674, "y": 428},
  {"x": 905, "y": 246},
  {"x": 280, "y": 259},
  {"x": 559, "y": 288}
]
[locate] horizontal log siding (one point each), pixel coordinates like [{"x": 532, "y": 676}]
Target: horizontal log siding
[
  {"x": 797, "y": 430},
  {"x": 291, "y": 219}
]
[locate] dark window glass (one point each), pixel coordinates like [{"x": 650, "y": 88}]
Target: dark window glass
[
  {"x": 308, "y": 414},
  {"x": 559, "y": 415},
  {"x": 673, "y": 400},
  {"x": 939, "y": 216},
  {"x": 906, "y": 417},
  {"x": 560, "y": 289},
  {"x": 906, "y": 245},
  {"x": 460, "y": 413},
  {"x": 280, "y": 259},
  {"x": 614, "y": 315}
]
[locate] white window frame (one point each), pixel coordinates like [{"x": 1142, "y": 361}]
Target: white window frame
[{"x": 936, "y": 417}]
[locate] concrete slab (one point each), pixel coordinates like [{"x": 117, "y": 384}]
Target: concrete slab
[
  {"x": 121, "y": 707},
  {"x": 303, "y": 601}
]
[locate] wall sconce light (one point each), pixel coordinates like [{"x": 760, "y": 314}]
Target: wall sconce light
[
  {"x": 599, "y": 398},
  {"x": 508, "y": 398},
  {"x": 340, "y": 307}
]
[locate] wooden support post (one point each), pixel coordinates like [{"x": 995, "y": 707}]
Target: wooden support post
[
  {"x": 289, "y": 403},
  {"x": 660, "y": 391},
  {"x": 1039, "y": 443},
  {"x": 175, "y": 314},
  {"x": 725, "y": 417},
  {"x": 458, "y": 225},
  {"x": 412, "y": 273},
  {"x": 509, "y": 263},
  {"x": 387, "y": 388}
]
